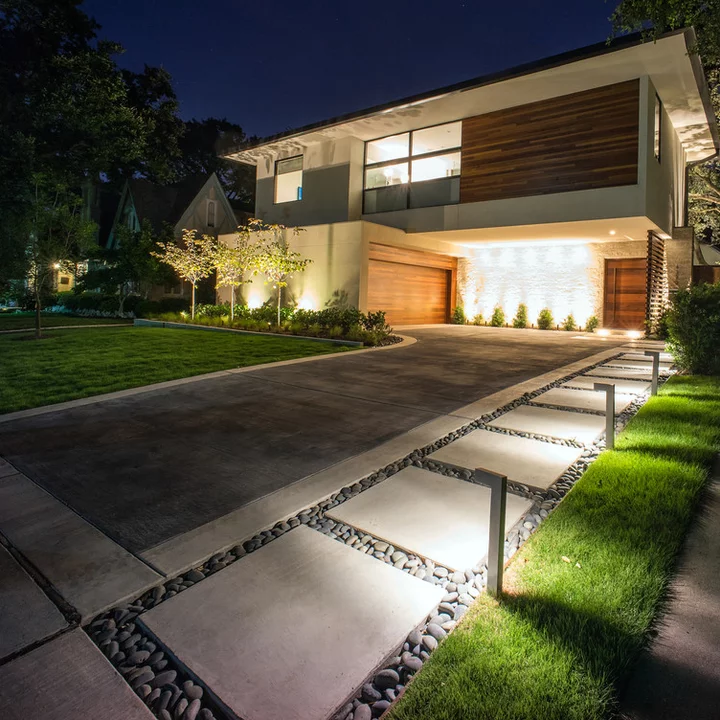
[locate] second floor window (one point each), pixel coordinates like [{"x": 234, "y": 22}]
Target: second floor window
[
  {"x": 657, "y": 127},
  {"x": 211, "y": 213},
  {"x": 406, "y": 161},
  {"x": 289, "y": 179}
]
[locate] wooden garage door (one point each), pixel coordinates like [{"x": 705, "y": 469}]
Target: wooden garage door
[
  {"x": 625, "y": 293},
  {"x": 407, "y": 287}
]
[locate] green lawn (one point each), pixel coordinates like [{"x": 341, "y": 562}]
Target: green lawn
[
  {"x": 22, "y": 321},
  {"x": 561, "y": 640},
  {"x": 71, "y": 364}
]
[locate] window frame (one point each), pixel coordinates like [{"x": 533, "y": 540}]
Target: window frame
[
  {"x": 410, "y": 158},
  {"x": 657, "y": 128},
  {"x": 211, "y": 204},
  {"x": 276, "y": 175}
]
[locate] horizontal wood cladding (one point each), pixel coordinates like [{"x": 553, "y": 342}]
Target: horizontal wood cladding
[
  {"x": 388, "y": 253},
  {"x": 582, "y": 141}
]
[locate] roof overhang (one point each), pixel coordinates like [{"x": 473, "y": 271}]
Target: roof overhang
[{"x": 675, "y": 72}]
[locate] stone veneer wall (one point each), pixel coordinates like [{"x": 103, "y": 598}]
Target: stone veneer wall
[{"x": 567, "y": 277}]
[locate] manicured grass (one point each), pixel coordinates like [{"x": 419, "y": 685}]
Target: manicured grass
[
  {"x": 70, "y": 364},
  {"x": 561, "y": 640},
  {"x": 21, "y": 321}
]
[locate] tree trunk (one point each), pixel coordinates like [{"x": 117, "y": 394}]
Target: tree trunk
[
  {"x": 279, "y": 301},
  {"x": 192, "y": 303},
  {"x": 37, "y": 311}
]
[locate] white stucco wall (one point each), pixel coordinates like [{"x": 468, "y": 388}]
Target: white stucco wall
[
  {"x": 336, "y": 254},
  {"x": 566, "y": 277}
]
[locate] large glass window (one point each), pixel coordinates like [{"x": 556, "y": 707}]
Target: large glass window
[
  {"x": 288, "y": 179},
  {"x": 397, "y": 166},
  {"x": 658, "y": 127}
]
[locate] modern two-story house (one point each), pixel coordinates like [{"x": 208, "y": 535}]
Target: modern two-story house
[{"x": 560, "y": 184}]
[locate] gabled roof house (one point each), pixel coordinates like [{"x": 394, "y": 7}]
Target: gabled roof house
[{"x": 560, "y": 184}]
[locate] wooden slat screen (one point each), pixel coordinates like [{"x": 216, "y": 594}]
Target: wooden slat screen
[
  {"x": 581, "y": 141},
  {"x": 657, "y": 280}
]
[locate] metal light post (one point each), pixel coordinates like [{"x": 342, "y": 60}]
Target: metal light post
[
  {"x": 655, "y": 355},
  {"x": 609, "y": 390},
  {"x": 496, "y": 540}
]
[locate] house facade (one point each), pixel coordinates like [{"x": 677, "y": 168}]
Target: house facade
[{"x": 558, "y": 185}]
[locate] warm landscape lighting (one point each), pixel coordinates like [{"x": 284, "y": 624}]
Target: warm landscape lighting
[
  {"x": 603, "y": 333},
  {"x": 56, "y": 266},
  {"x": 612, "y": 232},
  {"x": 634, "y": 334}
]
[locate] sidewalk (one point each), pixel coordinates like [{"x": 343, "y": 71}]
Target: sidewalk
[{"x": 679, "y": 678}]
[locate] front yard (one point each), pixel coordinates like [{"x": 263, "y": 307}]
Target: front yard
[
  {"x": 26, "y": 321},
  {"x": 584, "y": 592},
  {"x": 70, "y": 364}
]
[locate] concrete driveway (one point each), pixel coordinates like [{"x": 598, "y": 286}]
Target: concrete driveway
[{"x": 155, "y": 465}]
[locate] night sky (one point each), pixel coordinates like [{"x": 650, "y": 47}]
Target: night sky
[{"x": 273, "y": 66}]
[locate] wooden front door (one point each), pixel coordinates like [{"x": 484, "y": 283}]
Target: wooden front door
[{"x": 625, "y": 294}]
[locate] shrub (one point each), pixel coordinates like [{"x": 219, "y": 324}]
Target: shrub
[
  {"x": 214, "y": 311},
  {"x": 694, "y": 329},
  {"x": 478, "y": 320},
  {"x": 498, "y": 317},
  {"x": 661, "y": 331},
  {"x": 521, "y": 318},
  {"x": 569, "y": 323},
  {"x": 458, "y": 316},
  {"x": 145, "y": 308},
  {"x": 592, "y": 324},
  {"x": 545, "y": 319}
]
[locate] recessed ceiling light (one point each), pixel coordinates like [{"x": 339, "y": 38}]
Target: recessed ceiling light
[{"x": 612, "y": 232}]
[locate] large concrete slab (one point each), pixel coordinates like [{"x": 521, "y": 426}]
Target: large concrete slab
[
  {"x": 665, "y": 357},
  {"x": 26, "y": 614},
  {"x": 628, "y": 387},
  {"x": 431, "y": 515},
  {"x": 522, "y": 460},
  {"x": 291, "y": 631},
  {"x": 65, "y": 679},
  {"x": 561, "y": 424},
  {"x": 88, "y": 569},
  {"x": 620, "y": 372},
  {"x": 582, "y": 399},
  {"x": 151, "y": 467}
]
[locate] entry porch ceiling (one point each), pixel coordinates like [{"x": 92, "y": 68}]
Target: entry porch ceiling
[
  {"x": 677, "y": 76},
  {"x": 563, "y": 233}
]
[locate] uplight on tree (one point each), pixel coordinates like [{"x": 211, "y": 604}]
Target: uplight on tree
[
  {"x": 275, "y": 259},
  {"x": 192, "y": 260},
  {"x": 234, "y": 260}
]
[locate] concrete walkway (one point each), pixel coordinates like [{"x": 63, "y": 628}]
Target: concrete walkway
[{"x": 679, "y": 677}]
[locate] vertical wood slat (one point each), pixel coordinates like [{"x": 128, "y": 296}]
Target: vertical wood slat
[
  {"x": 582, "y": 141},
  {"x": 657, "y": 280}
]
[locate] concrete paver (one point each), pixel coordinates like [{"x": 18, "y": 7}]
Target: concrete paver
[
  {"x": 561, "y": 424},
  {"x": 665, "y": 357},
  {"x": 643, "y": 364},
  {"x": 291, "y": 631},
  {"x": 679, "y": 676},
  {"x": 403, "y": 510},
  {"x": 622, "y": 373},
  {"x": 65, "y": 679},
  {"x": 26, "y": 614},
  {"x": 89, "y": 570},
  {"x": 522, "y": 460},
  {"x": 628, "y": 387},
  {"x": 582, "y": 399}
]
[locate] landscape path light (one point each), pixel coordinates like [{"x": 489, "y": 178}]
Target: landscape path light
[
  {"x": 655, "y": 355},
  {"x": 496, "y": 540},
  {"x": 609, "y": 390}
]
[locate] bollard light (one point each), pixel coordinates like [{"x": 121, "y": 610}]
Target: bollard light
[
  {"x": 609, "y": 390},
  {"x": 655, "y": 355},
  {"x": 496, "y": 540}
]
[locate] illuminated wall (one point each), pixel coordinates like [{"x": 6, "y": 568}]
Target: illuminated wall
[{"x": 565, "y": 276}]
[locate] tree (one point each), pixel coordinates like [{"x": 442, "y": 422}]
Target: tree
[
  {"x": 233, "y": 260},
  {"x": 130, "y": 267},
  {"x": 193, "y": 260},
  {"x": 200, "y": 147},
  {"x": 275, "y": 258},
  {"x": 652, "y": 18},
  {"x": 57, "y": 237}
]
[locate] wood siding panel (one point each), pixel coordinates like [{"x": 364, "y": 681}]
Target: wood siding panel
[
  {"x": 625, "y": 294},
  {"x": 409, "y": 294},
  {"x": 388, "y": 253},
  {"x": 582, "y": 141}
]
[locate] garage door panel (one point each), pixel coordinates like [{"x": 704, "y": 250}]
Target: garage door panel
[
  {"x": 409, "y": 294},
  {"x": 625, "y": 293}
]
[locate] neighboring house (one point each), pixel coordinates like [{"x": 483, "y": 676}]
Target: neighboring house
[
  {"x": 559, "y": 184},
  {"x": 197, "y": 202}
]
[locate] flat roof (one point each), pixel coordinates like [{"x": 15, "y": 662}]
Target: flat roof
[{"x": 677, "y": 75}]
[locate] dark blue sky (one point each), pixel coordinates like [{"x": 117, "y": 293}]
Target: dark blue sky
[{"x": 272, "y": 66}]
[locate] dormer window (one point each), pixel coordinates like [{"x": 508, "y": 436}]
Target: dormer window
[
  {"x": 211, "y": 214},
  {"x": 289, "y": 179}
]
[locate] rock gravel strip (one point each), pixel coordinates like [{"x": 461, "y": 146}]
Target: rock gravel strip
[{"x": 170, "y": 690}]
